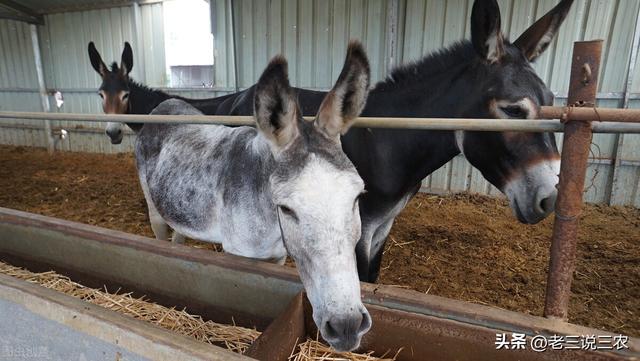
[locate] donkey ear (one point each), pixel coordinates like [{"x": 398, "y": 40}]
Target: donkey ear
[
  {"x": 486, "y": 35},
  {"x": 274, "y": 105},
  {"x": 535, "y": 40},
  {"x": 345, "y": 101},
  {"x": 126, "y": 61},
  {"x": 96, "y": 60}
]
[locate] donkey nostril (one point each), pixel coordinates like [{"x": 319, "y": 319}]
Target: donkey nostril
[
  {"x": 548, "y": 204},
  {"x": 366, "y": 322},
  {"x": 330, "y": 331}
]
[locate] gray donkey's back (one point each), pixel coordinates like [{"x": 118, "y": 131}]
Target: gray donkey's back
[{"x": 208, "y": 182}]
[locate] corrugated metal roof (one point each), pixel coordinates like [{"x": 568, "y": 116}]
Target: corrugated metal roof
[
  {"x": 49, "y": 6},
  {"x": 5, "y": 10}
]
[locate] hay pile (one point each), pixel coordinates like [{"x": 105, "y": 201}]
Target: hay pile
[
  {"x": 234, "y": 338},
  {"x": 314, "y": 350}
]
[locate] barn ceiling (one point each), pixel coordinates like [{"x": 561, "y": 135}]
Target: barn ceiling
[{"x": 32, "y": 11}]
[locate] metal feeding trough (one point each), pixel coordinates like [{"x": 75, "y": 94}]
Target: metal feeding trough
[{"x": 224, "y": 288}]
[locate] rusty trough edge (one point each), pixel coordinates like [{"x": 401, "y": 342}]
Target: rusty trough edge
[
  {"x": 575, "y": 153},
  {"x": 409, "y": 302},
  {"x": 143, "y": 243},
  {"x": 188, "y": 261},
  {"x": 283, "y": 334}
]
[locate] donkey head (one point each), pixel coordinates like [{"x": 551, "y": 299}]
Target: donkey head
[
  {"x": 524, "y": 166},
  {"x": 114, "y": 89},
  {"x": 315, "y": 189}
]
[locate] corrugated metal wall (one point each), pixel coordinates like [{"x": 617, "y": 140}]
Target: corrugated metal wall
[
  {"x": 18, "y": 81},
  {"x": 313, "y": 34},
  {"x": 68, "y": 69},
  {"x": 63, "y": 44}
]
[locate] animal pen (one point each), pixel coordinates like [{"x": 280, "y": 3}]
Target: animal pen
[{"x": 224, "y": 288}]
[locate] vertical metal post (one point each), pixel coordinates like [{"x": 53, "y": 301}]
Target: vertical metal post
[
  {"x": 575, "y": 153},
  {"x": 213, "y": 16},
  {"x": 139, "y": 46},
  {"x": 44, "y": 97},
  {"x": 392, "y": 32},
  {"x": 234, "y": 46}
]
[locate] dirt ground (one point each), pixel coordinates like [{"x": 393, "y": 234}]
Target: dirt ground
[{"x": 465, "y": 246}]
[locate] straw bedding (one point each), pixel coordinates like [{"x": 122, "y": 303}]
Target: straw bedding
[{"x": 234, "y": 338}]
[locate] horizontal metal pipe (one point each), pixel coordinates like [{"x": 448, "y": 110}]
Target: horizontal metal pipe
[
  {"x": 614, "y": 127},
  {"x": 521, "y": 125},
  {"x": 592, "y": 114},
  {"x": 171, "y": 90}
]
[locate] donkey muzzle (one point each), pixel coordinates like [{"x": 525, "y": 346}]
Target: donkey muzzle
[
  {"x": 115, "y": 134},
  {"x": 344, "y": 332}
]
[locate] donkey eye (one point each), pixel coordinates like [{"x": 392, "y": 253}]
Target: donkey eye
[
  {"x": 358, "y": 198},
  {"x": 101, "y": 95},
  {"x": 288, "y": 212},
  {"x": 514, "y": 111},
  {"x": 125, "y": 96}
]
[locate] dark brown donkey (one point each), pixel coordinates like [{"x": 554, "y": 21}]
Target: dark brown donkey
[{"x": 122, "y": 95}]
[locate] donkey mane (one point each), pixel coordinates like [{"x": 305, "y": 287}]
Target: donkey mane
[
  {"x": 438, "y": 62},
  {"x": 141, "y": 87}
]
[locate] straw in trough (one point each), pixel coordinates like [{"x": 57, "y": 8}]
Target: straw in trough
[
  {"x": 235, "y": 338},
  {"x": 314, "y": 350}
]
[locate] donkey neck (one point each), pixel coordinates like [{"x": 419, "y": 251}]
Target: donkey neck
[
  {"x": 142, "y": 100},
  {"x": 439, "y": 85}
]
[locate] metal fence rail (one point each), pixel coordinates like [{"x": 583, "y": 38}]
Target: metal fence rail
[{"x": 611, "y": 120}]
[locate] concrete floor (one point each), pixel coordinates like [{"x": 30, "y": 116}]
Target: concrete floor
[
  {"x": 41, "y": 324},
  {"x": 25, "y": 335}
]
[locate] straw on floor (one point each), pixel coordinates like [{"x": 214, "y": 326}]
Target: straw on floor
[{"x": 235, "y": 338}]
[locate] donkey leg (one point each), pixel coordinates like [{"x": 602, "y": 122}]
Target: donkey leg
[
  {"x": 178, "y": 238},
  {"x": 363, "y": 249},
  {"x": 158, "y": 225},
  {"x": 377, "y": 247}
]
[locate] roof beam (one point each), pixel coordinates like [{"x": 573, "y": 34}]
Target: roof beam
[
  {"x": 98, "y": 5},
  {"x": 23, "y": 13},
  {"x": 18, "y": 17}
]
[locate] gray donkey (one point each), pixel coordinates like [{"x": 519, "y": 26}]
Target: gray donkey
[{"x": 282, "y": 187}]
